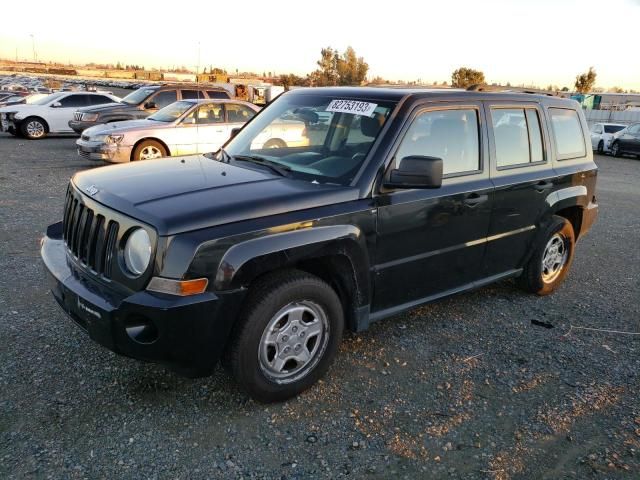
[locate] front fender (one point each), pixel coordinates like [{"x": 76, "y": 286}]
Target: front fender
[{"x": 244, "y": 261}]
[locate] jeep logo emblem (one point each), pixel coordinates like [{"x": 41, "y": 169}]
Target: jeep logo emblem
[{"x": 92, "y": 190}]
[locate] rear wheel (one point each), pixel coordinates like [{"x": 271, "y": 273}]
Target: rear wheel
[
  {"x": 552, "y": 259},
  {"x": 148, "y": 150},
  {"x": 287, "y": 336},
  {"x": 34, "y": 128}
]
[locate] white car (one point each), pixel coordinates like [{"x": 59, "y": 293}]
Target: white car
[
  {"x": 601, "y": 135},
  {"x": 50, "y": 114}
]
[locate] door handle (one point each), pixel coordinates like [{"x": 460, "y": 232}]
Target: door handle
[
  {"x": 475, "y": 199},
  {"x": 542, "y": 186}
]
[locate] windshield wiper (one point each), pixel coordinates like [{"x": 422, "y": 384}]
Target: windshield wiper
[{"x": 280, "y": 169}]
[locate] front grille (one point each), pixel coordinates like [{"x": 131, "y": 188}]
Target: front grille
[
  {"x": 77, "y": 116},
  {"x": 84, "y": 154},
  {"x": 91, "y": 238}
]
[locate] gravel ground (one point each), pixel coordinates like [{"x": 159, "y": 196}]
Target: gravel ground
[{"x": 465, "y": 388}]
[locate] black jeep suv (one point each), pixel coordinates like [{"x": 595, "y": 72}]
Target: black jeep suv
[
  {"x": 142, "y": 103},
  {"x": 261, "y": 256}
]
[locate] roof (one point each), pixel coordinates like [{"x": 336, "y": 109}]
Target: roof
[{"x": 397, "y": 94}]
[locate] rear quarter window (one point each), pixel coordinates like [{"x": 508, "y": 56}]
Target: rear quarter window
[{"x": 567, "y": 132}]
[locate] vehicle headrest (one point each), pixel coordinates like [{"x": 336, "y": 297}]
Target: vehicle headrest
[{"x": 370, "y": 126}]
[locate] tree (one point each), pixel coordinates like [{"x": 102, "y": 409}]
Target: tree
[
  {"x": 565, "y": 89},
  {"x": 465, "y": 77},
  {"x": 290, "y": 80},
  {"x": 616, "y": 90},
  {"x": 336, "y": 69},
  {"x": 586, "y": 81}
]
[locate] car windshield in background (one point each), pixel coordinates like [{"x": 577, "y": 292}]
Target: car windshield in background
[
  {"x": 171, "y": 112},
  {"x": 49, "y": 98},
  {"x": 137, "y": 97},
  {"x": 612, "y": 128},
  {"x": 316, "y": 138}
]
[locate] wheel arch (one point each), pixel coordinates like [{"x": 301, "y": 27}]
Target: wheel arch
[
  {"x": 36, "y": 117},
  {"x": 336, "y": 254},
  {"x": 155, "y": 139}
]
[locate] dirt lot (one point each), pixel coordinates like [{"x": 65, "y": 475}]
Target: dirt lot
[{"x": 465, "y": 388}]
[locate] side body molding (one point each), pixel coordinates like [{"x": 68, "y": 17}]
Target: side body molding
[{"x": 575, "y": 192}]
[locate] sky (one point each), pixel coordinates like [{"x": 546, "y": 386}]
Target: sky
[{"x": 538, "y": 42}]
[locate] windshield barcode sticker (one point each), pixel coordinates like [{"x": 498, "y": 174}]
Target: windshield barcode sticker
[{"x": 352, "y": 106}]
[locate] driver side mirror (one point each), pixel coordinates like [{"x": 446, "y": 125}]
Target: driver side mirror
[
  {"x": 150, "y": 105},
  {"x": 56, "y": 105},
  {"x": 416, "y": 171},
  {"x": 234, "y": 132}
]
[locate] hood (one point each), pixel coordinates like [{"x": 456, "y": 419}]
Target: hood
[
  {"x": 17, "y": 107},
  {"x": 180, "y": 194},
  {"x": 122, "y": 127},
  {"x": 108, "y": 107}
]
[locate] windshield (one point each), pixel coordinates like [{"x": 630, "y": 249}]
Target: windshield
[
  {"x": 48, "y": 98},
  {"x": 613, "y": 128},
  {"x": 137, "y": 97},
  {"x": 317, "y": 138},
  {"x": 171, "y": 112}
]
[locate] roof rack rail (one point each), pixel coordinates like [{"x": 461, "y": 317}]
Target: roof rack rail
[{"x": 479, "y": 87}]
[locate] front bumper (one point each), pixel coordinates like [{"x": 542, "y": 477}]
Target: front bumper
[
  {"x": 108, "y": 152},
  {"x": 79, "y": 126},
  {"x": 188, "y": 334}
]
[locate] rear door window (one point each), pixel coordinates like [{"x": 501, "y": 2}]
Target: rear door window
[
  {"x": 217, "y": 94},
  {"x": 191, "y": 94},
  {"x": 99, "y": 99},
  {"x": 75, "y": 100},
  {"x": 567, "y": 133},
  {"x": 517, "y": 136}
]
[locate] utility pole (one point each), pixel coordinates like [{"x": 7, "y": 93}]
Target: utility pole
[{"x": 33, "y": 46}]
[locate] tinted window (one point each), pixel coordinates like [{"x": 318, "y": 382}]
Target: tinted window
[
  {"x": 449, "y": 134},
  {"x": 211, "y": 113},
  {"x": 634, "y": 129},
  {"x": 217, "y": 94},
  {"x": 612, "y": 128},
  {"x": 191, "y": 94},
  {"x": 99, "y": 99},
  {"x": 568, "y": 133},
  {"x": 167, "y": 97},
  {"x": 510, "y": 133},
  {"x": 79, "y": 100},
  {"x": 238, "y": 113}
]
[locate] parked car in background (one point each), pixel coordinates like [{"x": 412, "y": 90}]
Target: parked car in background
[
  {"x": 20, "y": 100},
  {"x": 142, "y": 103},
  {"x": 626, "y": 141},
  {"x": 182, "y": 128},
  {"x": 50, "y": 114},
  {"x": 601, "y": 135}
]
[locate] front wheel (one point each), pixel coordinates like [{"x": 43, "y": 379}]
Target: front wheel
[
  {"x": 287, "y": 337},
  {"x": 33, "y": 128},
  {"x": 148, "y": 150},
  {"x": 600, "y": 147},
  {"x": 551, "y": 260},
  {"x": 275, "y": 143},
  {"x": 615, "y": 149}
]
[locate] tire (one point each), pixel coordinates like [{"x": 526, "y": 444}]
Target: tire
[
  {"x": 293, "y": 311},
  {"x": 601, "y": 147},
  {"x": 615, "y": 150},
  {"x": 275, "y": 143},
  {"x": 149, "y": 150},
  {"x": 34, "y": 128},
  {"x": 552, "y": 259}
]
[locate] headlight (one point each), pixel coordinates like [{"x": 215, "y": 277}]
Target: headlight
[
  {"x": 89, "y": 117},
  {"x": 105, "y": 138},
  {"x": 137, "y": 252}
]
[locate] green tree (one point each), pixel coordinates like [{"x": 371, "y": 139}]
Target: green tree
[
  {"x": 465, "y": 77},
  {"x": 586, "y": 81},
  {"x": 336, "y": 69},
  {"x": 290, "y": 80}
]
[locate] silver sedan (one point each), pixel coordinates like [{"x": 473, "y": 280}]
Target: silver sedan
[{"x": 183, "y": 128}]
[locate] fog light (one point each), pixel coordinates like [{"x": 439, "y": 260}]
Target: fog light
[{"x": 141, "y": 329}]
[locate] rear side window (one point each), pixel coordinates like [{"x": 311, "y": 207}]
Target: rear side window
[
  {"x": 517, "y": 135},
  {"x": 164, "y": 98},
  {"x": 217, "y": 94},
  {"x": 75, "y": 100},
  {"x": 612, "y": 128},
  {"x": 451, "y": 135},
  {"x": 192, "y": 94},
  {"x": 568, "y": 133},
  {"x": 99, "y": 99}
]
